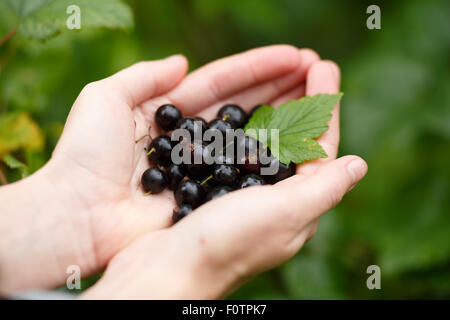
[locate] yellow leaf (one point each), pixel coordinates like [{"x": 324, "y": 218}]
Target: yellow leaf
[{"x": 19, "y": 131}]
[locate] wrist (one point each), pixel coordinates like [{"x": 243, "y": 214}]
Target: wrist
[
  {"x": 163, "y": 265},
  {"x": 42, "y": 233}
]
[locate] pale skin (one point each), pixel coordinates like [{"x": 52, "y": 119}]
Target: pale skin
[{"x": 85, "y": 207}]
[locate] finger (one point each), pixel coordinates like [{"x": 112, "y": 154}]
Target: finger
[
  {"x": 324, "y": 77},
  {"x": 147, "y": 79},
  {"x": 269, "y": 90},
  {"x": 252, "y": 230},
  {"x": 296, "y": 93},
  {"x": 223, "y": 78},
  {"x": 324, "y": 189}
]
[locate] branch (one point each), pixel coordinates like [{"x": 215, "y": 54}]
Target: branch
[
  {"x": 8, "y": 36},
  {"x": 3, "y": 179}
]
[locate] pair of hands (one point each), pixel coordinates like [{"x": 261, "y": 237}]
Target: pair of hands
[{"x": 85, "y": 207}]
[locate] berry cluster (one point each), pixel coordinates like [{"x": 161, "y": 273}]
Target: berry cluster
[{"x": 195, "y": 183}]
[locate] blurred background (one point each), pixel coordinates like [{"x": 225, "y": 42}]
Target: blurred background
[{"x": 395, "y": 114}]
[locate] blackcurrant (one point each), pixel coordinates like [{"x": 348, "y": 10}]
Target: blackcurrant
[
  {"x": 167, "y": 117},
  {"x": 247, "y": 144},
  {"x": 221, "y": 125},
  {"x": 175, "y": 173},
  {"x": 207, "y": 184},
  {"x": 189, "y": 192},
  {"x": 197, "y": 168},
  {"x": 224, "y": 158},
  {"x": 249, "y": 163},
  {"x": 203, "y": 123},
  {"x": 154, "y": 180},
  {"x": 248, "y": 154},
  {"x": 218, "y": 192},
  {"x": 194, "y": 126},
  {"x": 251, "y": 180},
  {"x": 181, "y": 212},
  {"x": 233, "y": 114},
  {"x": 159, "y": 150},
  {"x": 225, "y": 174},
  {"x": 284, "y": 171}
]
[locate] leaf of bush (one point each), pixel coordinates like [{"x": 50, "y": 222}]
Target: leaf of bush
[
  {"x": 41, "y": 19},
  {"x": 13, "y": 163},
  {"x": 18, "y": 130},
  {"x": 298, "y": 122},
  {"x": 24, "y": 7}
]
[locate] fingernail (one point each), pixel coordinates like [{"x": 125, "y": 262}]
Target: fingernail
[{"x": 357, "y": 169}]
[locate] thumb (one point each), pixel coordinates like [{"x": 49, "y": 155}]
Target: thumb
[{"x": 324, "y": 189}]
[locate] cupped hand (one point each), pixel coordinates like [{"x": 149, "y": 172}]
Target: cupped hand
[
  {"x": 97, "y": 164},
  {"x": 228, "y": 240}
]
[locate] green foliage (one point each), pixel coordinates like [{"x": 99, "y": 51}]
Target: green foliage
[
  {"x": 298, "y": 122},
  {"x": 13, "y": 163},
  {"x": 41, "y": 19},
  {"x": 18, "y": 130},
  {"x": 395, "y": 115}
]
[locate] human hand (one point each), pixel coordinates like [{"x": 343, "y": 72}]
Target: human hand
[
  {"x": 228, "y": 240},
  {"x": 90, "y": 201}
]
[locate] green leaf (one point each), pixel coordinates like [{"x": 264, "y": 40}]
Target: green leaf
[
  {"x": 8, "y": 19},
  {"x": 259, "y": 120},
  {"x": 298, "y": 122},
  {"x": 13, "y": 163},
  {"x": 41, "y": 19},
  {"x": 24, "y": 7},
  {"x": 18, "y": 130}
]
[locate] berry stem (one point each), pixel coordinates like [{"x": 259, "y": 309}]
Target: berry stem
[
  {"x": 147, "y": 193},
  {"x": 206, "y": 180},
  {"x": 225, "y": 117},
  {"x": 3, "y": 179},
  {"x": 226, "y": 146},
  {"x": 151, "y": 151},
  {"x": 147, "y": 135}
]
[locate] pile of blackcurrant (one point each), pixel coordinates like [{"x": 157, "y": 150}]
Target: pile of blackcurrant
[{"x": 195, "y": 183}]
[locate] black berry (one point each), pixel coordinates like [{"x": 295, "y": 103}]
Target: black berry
[
  {"x": 194, "y": 126},
  {"x": 248, "y": 152},
  {"x": 284, "y": 171},
  {"x": 251, "y": 180},
  {"x": 175, "y": 173},
  {"x": 247, "y": 144},
  {"x": 225, "y": 175},
  {"x": 249, "y": 163},
  {"x": 181, "y": 212},
  {"x": 197, "y": 168},
  {"x": 221, "y": 125},
  {"x": 218, "y": 192},
  {"x": 233, "y": 114},
  {"x": 154, "y": 180},
  {"x": 203, "y": 123},
  {"x": 223, "y": 158},
  {"x": 159, "y": 150},
  {"x": 189, "y": 192},
  {"x": 207, "y": 184},
  {"x": 167, "y": 117}
]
